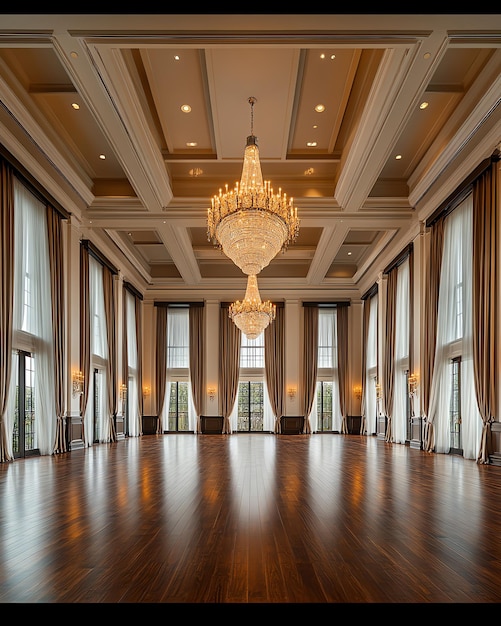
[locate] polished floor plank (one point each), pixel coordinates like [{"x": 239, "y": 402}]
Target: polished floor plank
[{"x": 249, "y": 518}]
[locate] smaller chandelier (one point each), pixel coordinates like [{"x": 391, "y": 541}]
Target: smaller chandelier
[
  {"x": 251, "y": 223},
  {"x": 252, "y": 316}
]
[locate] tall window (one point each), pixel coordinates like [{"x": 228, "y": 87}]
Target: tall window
[
  {"x": 179, "y": 405},
  {"x": 371, "y": 379},
  {"x": 96, "y": 414},
  {"x": 401, "y": 362},
  {"x": 252, "y": 411},
  {"x": 454, "y": 338},
  {"x": 24, "y": 435},
  {"x": 133, "y": 417},
  {"x": 32, "y": 392},
  {"x": 326, "y": 412}
]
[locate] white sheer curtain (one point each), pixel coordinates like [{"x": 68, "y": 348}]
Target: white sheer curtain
[
  {"x": 9, "y": 417},
  {"x": 33, "y": 307},
  {"x": 313, "y": 417},
  {"x": 454, "y": 335},
  {"x": 99, "y": 354},
  {"x": 133, "y": 399},
  {"x": 268, "y": 415},
  {"x": 399, "y": 416},
  {"x": 371, "y": 368},
  {"x": 471, "y": 420}
]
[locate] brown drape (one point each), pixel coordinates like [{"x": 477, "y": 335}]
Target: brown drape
[
  {"x": 430, "y": 325},
  {"x": 56, "y": 255},
  {"x": 197, "y": 360},
  {"x": 274, "y": 364},
  {"x": 84, "y": 333},
  {"x": 389, "y": 350},
  {"x": 485, "y": 268},
  {"x": 365, "y": 334},
  {"x": 310, "y": 362},
  {"x": 139, "y": 342},
  {"x": 161, "y": 365},
  {"x": 6, "y": 297},
  {"x": 111, "y": 362},
  {"x": 229, "y": 365},
  {"x": 342, "y": 364}
]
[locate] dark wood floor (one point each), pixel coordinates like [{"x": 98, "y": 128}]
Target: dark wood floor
[{"x": 255, "y": 518}]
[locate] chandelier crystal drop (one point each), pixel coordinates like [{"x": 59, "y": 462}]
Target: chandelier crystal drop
[
  {"x": 252, "y": 315},
  {"x": 252, "y": 223}
]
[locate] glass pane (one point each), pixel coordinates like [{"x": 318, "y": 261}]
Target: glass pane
[
  {"x": 178, "y": 406},
  {"x": 252, "y": 352},
  {"x": 173, "y": 407},
  {"x": 15, "y": 436},
  {"x": 256, "y": 406},
  {"x": 29, "y": 411},
  {"x": 243, "y": 406},
  {"x": 182, "y": 406},
  {"x": 324, "y": 406},
  {"x": 97, "y": 406},
  {"x": 455, "y": 406}
]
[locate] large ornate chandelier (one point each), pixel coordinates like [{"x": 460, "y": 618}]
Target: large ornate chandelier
[
  {"x": 251, "y": 315},
  {"x": 251, "y": 223}
]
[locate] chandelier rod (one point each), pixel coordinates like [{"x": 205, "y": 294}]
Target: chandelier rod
[{"x": 252, "y": 102}]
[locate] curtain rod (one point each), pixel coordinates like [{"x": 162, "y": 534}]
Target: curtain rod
[
  {"x": 179, "y": 305},
  {"x": 98, "y": 255}
]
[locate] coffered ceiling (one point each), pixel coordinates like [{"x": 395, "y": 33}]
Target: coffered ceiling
[{"x": 364, "y": 173}]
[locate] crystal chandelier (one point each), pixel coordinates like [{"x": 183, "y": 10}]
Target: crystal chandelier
[
  {"x": 251, "y": 223},
  {"x": 252, "y": 316}
]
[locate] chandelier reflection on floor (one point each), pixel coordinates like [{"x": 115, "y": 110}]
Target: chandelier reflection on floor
[
  {"x": 252, "y": 315},
  {"x": 251, "y": 223}
]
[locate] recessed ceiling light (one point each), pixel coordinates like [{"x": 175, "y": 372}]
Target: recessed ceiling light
[
  {"x": 398, "y": 157},
  {"x": 423, "y": 105},
  {"x": 311, "y": 144},
  {"x": 320, "y": 108},
  {"x": 349, "y": 253},
  {"x": 75, "y": 105},
  {"x": 333, "y": 56},
  {"x": 315, "y": 125},
  {"x": 74, "y": 54},
  {"x": 176, "y": 57},
  {"x": 322, "y": 56},
  {"x": 102, "y": 157},
  {"x": 185, "y": 108},
  {"x": 191, "y": 144}
]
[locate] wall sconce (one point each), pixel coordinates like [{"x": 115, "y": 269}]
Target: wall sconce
[
  {"x": 211, "y": 392},
  {"x": 77, "y": 380},
  {"x": 146, "y": 390},
  {"x": 357, "y": 390},
  {"x": 412, "y": 383},
  {"x": 291, "y": 392},
  {"x": 123, "y": 392}
]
